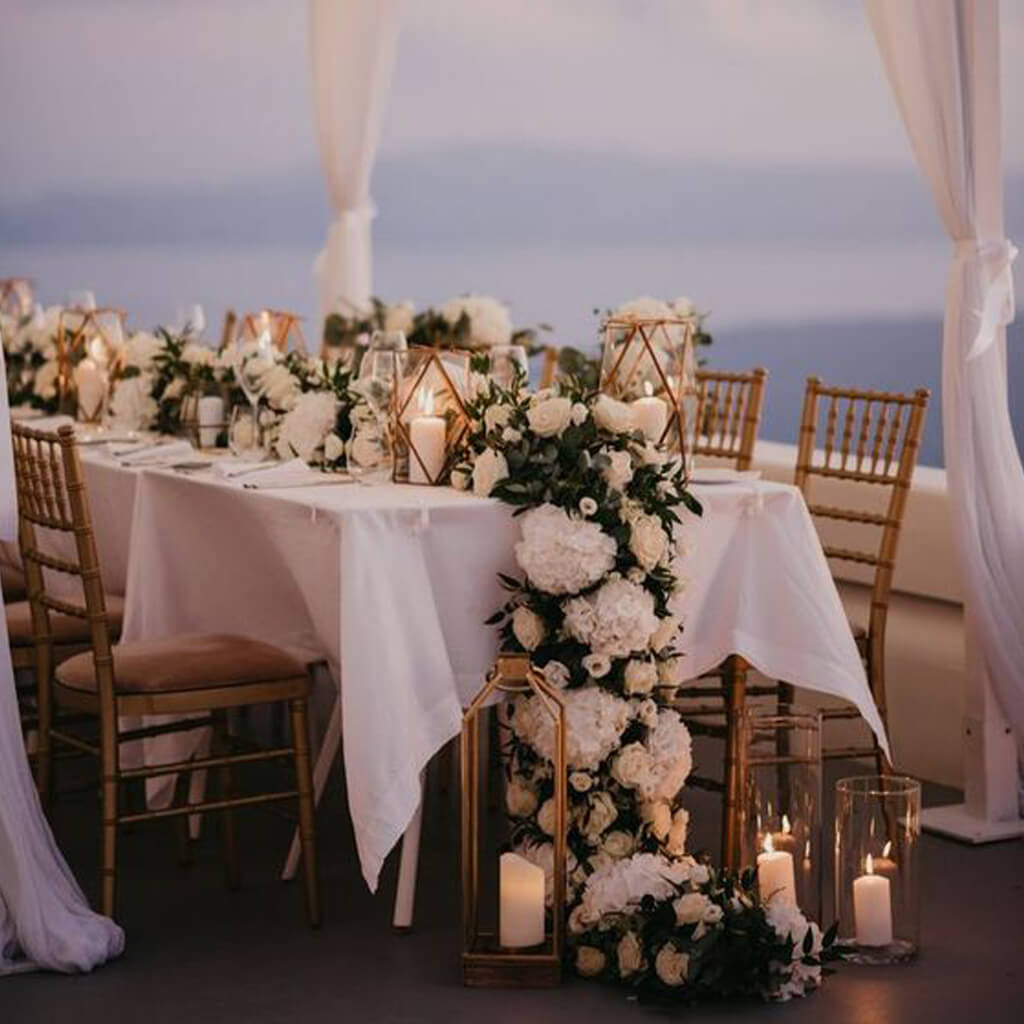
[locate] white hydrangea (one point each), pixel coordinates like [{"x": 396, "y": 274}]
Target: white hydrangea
[
  {"x": 617, "y": 619},
  {"x": 596, "y": 720},
  {"x": 669, "y": 745},
  {"x": 399, "y": 317},
  {"x": 561, "y": 555},
  {"x": 306, "y": 426},
  {"x": 140, "y": 350},
  {"x": 620, "y": 885},
  {"x": 644, "y": 307},
  {"x": 132, "y": 406},
  {"x": 279, "y": 387},
  {"x": 489, "y": 320}
]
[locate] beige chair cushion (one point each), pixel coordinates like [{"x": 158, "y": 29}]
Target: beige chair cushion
[
  {"x": 191, "y": 661},
  {"x": 67, "y": 629},
  {"x": 12, "y": 584}
]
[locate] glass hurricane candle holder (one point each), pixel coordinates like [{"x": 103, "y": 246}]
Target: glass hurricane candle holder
[
  {"x": 429, "y": 414},
  {"x": 88, "y": 334},
  {"x": 877, "y": 838},
  {"x": 651, "y": 365},
  {"x": 526, "y": 950},
  {"x": 780, "y": 811}
]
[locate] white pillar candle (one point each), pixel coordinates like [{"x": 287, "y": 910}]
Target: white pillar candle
[
  {"x": 775, "y": 877},
  {"x": 872, "y": 908},
  {"x": 521, "y": 906},
  {"x": 427, "y": 435},
  {"x": 650, "y": 414},
  {"x": 91, "y": 384},
  {"x": 211, "y": 419}
]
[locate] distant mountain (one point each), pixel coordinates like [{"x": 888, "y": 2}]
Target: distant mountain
[{"x": 515, "y": 194}]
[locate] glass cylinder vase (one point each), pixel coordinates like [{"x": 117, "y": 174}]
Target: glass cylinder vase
[
  {"x": 877, "y": 885},
  {"x": 780, "y": 811}
]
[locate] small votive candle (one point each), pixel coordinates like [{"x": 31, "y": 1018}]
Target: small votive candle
[
  {"x": 521, "y": 903},
  {"x": 775, "y": 876},
  {"x": 650, "y": 414},
  {"x": 427, "y": 436},
  {"x": 872, "y": 907}
]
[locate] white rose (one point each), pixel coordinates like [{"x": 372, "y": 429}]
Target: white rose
[
  {"x": 399, "y": 317},
  {"x": 462, "y": 477},
  {"x": 556, "y": 674},
  {"x": 490, "y": 467},
  {"x": 590, "y": 961},
  {"x": 666, "y": 633},
  {"x": 670, "y": 672},
  {"x": 198, "y": 355},
  {"x": 550, "y": 417},
  {"x": 671, "y": 966},
  {"x": 334, "y": 448},
  {"x": 648, "y": 541},
  {"x": 690, "y": 907},
  {"x": 699, "y": 874},
  {"x": 577, "y": 922},
  {"x": 279, "y": 387},
  {"x": 675, "y": 845},
  {"x": 305, "y": 428},
  {"x": 511, "y": 436},
  {"x": 647, "y": 714},
  {"x": 546, "y": 817},
  {"x": 581, "y": 781},
  {"x": 632, "y": 767},
  {"x": 587, "y": 507},
  {"x": 713, "y": 914},
  {"x": 630, "y": 954},
  {"x": 598, "y": 815},
  {"x": 614, "y": 416},
  {"x": 597, "y": 665},
  {"x": 659, "y": 818},
  {"x": 45, "y": 385},
  {"x": 520, "y": 800},
  {"x": 619, "y": 470},
  {"x": 640, "y": 676},
  {"x": 496, "y": 416},
  {"x": 528, "y": 627},
  {"x": 618, "y": 844},
  {"x": 579, "y": 413}
]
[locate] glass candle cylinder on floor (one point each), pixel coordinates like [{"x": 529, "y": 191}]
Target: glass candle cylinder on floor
[
  {"x": 780, "y": 810},
  {"x": 877, "y": 836}
]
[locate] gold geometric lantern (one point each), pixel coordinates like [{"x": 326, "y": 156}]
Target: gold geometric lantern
[
  {"x": 285, "y": 329},
  {"x": 651, "y": 365},
  {"x": 527, "y": 950},
  {"x": 92, "y": 333},
  {"x": 16, "y": 297},
  {"x": 430, "y": 419}
]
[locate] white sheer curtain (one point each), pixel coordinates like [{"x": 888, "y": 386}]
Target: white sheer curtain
[
  {"x": 352, "y": 49},
  {"x": 44, "y": 918},
  {"x": 942, "y": 60}
]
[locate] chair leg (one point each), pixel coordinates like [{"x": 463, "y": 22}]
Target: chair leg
[
  {"x": 228, "y": 835},
  {"x": 735, "y": 698},
  {"x": 109, "y": 797},
  {"x": 307, "y": 813}
]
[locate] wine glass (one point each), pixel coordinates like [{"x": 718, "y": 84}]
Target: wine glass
[
  {"x": 253, "y": 362},
  {"x": 190, "y": 320},
  {"x": 246, "y": 438},
  {"x": 508, "y": 363}
]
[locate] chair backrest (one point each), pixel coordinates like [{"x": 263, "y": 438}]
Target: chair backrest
[
  {"x": 728, "y": 415},
  {"x": 52, "y": 498},
  {"x": 870, "y": 438}
]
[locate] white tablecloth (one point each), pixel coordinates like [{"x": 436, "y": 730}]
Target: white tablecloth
[{"x": 391, "y": 586}]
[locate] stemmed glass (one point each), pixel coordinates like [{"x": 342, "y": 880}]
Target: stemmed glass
[
  {"x": 507, "y": 363},
  {"x": 253, "y": 362}
]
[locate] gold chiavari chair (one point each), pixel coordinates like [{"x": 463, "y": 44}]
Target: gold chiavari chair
[
  {"x": 727, "y": 418},
  {"x": 871, "y": 439},
  {"x": 197, "y": 678},
  {"x": 728, "y": 415},
  {"x": 12, "y": 584}
]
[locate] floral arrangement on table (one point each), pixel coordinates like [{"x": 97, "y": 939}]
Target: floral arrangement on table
[
  {"x": 602, "y": 553},
  {"x": 30, "y": 354}
]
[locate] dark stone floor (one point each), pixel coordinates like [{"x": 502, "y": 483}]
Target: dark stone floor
[{"x": 198, "y": 952}]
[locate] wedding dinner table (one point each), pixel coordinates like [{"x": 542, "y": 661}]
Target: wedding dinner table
[{"x": 390, "y": 586}]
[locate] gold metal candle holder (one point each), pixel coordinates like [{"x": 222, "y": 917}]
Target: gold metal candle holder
[
  {"x": 651, "y": 360},
  {"x": 485, "y": 963},
  {"x": 81, "y": 333},
  {"x": 429, "y": 414},
  {"x": 285, "y": 329},
  {"x": 16, "y": 297}
]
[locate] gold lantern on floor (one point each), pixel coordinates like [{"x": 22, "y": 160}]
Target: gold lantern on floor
[
  {"x": 526, "y": 951},
  {"x": 429, "y": 414},
  {"x": 650, "y": 364}
]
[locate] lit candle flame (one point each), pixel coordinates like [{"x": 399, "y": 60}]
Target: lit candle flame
[
  {"x": 887, "y": 849},
  {"x": 869, "y": 865},
  {"x": 786, "y": 827},
  {"x": 648, "y": 388},
  {"x": 426, "y": 401},
  {"x": 769, "y": 846},
  {"x": 807, "y": 850}
]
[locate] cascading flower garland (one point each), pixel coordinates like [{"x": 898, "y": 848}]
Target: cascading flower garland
[{"x": 602, "y": 552}]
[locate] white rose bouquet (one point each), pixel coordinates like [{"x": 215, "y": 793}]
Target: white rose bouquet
[{"x": 30, "y": 355}]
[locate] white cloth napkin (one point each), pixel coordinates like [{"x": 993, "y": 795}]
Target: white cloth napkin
[
  {"x": 152, "y": 452},
  {"x": 257, "y": 475}
]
